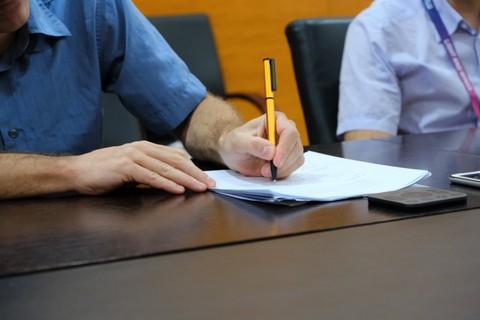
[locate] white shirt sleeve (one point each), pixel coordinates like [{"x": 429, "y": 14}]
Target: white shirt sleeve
[{"x": 370, "y": 95}]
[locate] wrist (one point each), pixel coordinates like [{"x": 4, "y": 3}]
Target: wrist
[
  {"x": 67, "y": 173},
  {"x": 224, "y": 143}
]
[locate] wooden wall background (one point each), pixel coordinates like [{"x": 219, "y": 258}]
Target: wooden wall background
[{"x": 248, "y": 30}]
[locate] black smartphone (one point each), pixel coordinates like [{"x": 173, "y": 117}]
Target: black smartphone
[{"x": 417, "y": 196}]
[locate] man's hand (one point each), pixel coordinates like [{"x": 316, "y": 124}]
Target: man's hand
[
  {"x": 246, "y": 150},
  {"x": 215, "y": 132},
  {"x": 140, "y": 162}
]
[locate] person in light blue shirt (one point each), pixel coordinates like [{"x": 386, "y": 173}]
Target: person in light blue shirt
[
  {"x": 56, "y": 58},
  {"x": 396, "y": 75}
]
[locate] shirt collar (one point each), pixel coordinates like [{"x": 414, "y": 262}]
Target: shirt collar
[
  {"x": 451, "y": 18},
  {"x": 43, "y": 21}
]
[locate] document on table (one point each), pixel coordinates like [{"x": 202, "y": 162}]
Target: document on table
[{"x": 321, "y": 178}]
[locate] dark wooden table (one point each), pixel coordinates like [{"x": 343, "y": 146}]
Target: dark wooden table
[
  {"x": 425, "y": 268},
  {"x": 180, "y": 237}
]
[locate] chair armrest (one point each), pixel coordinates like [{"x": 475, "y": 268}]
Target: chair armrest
[{"x": 254, "y": 98}]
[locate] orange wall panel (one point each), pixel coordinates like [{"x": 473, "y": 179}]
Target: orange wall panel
[{"x": 247, "y": 31}]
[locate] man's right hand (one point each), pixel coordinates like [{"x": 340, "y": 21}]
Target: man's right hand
[{"x": 141, "y": 162}]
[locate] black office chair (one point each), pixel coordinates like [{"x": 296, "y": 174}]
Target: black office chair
[
  {"x": 192, "y": 39},
  {"x": 316, "y": 46}
]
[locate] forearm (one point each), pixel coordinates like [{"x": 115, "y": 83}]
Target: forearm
[
  {"x": 365, "y": 134},
  {"x": 23, "y": 175},
  {"x": 205, "y": 127}
]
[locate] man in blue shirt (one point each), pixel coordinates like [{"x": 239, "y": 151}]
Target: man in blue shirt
[
  {"x": 56, "y": 57},
  {"x": 397, "y": 76}
]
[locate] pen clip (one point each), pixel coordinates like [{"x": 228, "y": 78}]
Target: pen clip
[{"x": 272, "y": 74}]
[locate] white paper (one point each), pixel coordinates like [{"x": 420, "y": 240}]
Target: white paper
[{"x": 321, "y": 178}]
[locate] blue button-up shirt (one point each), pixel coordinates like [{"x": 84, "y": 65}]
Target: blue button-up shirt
[
  {"x": 52, "y": 77},
  {"x": 396, "y": 75}
]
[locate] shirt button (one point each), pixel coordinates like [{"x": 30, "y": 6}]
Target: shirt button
[{"x": 13, "y": 133}]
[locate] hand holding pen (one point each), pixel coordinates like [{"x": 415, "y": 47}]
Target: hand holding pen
[{"x": 245, "y": 149}]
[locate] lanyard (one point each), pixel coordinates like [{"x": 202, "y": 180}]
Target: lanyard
[{"x": 452, "y": 54}]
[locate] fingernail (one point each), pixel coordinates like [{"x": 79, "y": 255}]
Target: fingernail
[
  {"x": 179, "y": 189},
  {"x": 278, "y": 163},
  {"x": 211, "y": 183}
]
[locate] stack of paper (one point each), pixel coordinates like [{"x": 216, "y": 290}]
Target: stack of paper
[{"x": 321, "y": 178}]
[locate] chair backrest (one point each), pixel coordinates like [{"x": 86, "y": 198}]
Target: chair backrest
[
  {"x": 317, "y": 46},
  {"x": 192, "y": 39}
]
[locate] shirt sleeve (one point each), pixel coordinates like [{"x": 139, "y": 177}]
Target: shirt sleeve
[
  {"x": 370, "y": 95},
  {"x": 140, "y": 67}
]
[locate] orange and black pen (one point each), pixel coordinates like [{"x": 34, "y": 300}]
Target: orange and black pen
[{"x": 270, "y": 87}]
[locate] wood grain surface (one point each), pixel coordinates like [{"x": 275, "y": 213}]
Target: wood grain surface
[{"x": 424, "y": 268}]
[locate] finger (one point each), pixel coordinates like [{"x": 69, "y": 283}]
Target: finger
[
  {"x": 285, "y": 153},
  {"x": 291, "y": 167},
  {"x": 296, "y": 151},
  {"x": 288, "y": 139},
  {"x": 266, "y": 170},
  {"x": 180, "y": 160},
  {"x": 150, "y": 178},
  {"x": 171, "y": 173},
  {"x": 284, "y": 171}
]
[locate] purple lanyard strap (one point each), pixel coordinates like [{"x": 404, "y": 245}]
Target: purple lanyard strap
[{"x": 452, "y": 54}]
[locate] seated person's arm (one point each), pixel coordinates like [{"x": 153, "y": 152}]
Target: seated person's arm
[
  {"x": 29, "y": 174},
  {"x": 365, "y": 134},
  {"x": 370, "y": 96},
  {"x": 100, "y": 171},
  {"x": 214, "y": 131}
]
